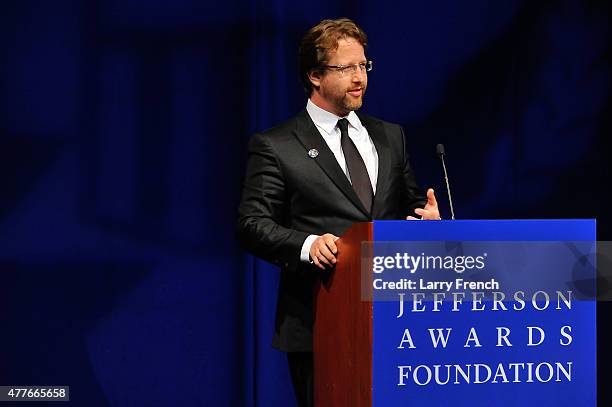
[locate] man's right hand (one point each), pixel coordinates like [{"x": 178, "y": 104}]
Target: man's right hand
[{"x": 323, "y": 251}]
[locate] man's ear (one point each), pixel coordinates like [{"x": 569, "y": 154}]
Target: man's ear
[{"x": 315, "y": 78}]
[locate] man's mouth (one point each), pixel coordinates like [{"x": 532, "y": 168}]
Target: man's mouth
[{"x": 355, "y": 92}]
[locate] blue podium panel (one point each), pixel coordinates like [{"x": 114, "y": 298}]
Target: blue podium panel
[{"x": 499, "y": 313}]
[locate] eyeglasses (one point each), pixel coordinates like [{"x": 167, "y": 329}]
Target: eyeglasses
[{"x": 346, "y": 70}]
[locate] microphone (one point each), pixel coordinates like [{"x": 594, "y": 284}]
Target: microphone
[{"x": 440, "y": 152}]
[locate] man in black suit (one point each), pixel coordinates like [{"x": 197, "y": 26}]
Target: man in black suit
[{"x": 309, "y": 179}]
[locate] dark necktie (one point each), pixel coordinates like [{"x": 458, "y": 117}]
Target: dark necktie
[{"x": 356, "y": 167}]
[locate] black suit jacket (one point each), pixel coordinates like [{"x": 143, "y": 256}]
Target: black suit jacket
[{"x": 288, "y": 195}]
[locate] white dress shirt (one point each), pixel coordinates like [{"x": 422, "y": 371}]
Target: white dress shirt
[{"x": 326, "y": 123}]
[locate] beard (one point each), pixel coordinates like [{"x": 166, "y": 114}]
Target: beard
[
  {"x": 349, "y": 102},
  {"x": 335, "y": 96}
]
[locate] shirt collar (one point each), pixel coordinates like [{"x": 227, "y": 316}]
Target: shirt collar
[{"x": 327, "y": 121}]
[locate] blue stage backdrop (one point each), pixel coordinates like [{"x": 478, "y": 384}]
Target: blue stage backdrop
[{"x": 123, "y": 133}]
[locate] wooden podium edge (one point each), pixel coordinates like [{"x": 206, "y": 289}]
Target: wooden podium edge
[{"x": 342, "y": 341}]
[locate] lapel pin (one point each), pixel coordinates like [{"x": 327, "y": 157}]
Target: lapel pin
[{"x": 313, "y": 153}]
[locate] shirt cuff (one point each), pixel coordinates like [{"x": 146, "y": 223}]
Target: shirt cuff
[{"x": 305, "y": 253}]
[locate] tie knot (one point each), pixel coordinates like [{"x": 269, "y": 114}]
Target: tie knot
[{"x": 343, "y": 125}]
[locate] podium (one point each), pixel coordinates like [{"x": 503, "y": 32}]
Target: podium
[{"x": 529, "y": 341}]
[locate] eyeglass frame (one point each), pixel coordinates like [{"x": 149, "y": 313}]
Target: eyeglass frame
[{"x": 344, "y": 69}]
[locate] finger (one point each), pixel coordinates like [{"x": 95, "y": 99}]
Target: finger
[
  {"x": 427, "y": 213},
  {"x": 329, "y": 241},
  {"x": 323, "y": 260},
  {"x": 327, "y": 254},
  {"x": 431, "y": 215},
  {"x": 431, "y": 197},
  {"x": 316, "y": 262},
  {"x": 411, "y": 218}
]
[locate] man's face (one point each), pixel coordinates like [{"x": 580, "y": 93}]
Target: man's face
[{"x": 337, "y": 93}]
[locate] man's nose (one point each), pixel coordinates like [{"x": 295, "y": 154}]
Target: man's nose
[{"x": 358, "y": 75}]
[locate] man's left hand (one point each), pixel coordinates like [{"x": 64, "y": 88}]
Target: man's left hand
[{"x": 430, "y": 211}]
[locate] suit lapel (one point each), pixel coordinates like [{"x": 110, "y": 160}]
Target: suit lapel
[
  {"x": 377, "y": 134},
  {"x": 310, "y": 138}
]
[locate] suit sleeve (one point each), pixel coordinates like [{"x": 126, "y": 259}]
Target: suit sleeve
[
  {"x": 263, "y": 210},
  {"x": 412, "y": 196}
]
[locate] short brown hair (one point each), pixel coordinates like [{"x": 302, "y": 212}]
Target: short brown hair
[{"x": 322, "y": 38}]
